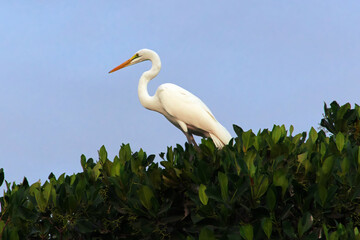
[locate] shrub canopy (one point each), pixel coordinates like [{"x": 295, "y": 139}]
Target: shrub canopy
[{"x": 272, "y": 184}]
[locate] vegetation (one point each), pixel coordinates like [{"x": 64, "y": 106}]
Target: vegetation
[{"x": 269, "y": 185}]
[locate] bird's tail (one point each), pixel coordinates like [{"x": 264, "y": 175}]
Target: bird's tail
[{"x": 221, "y": 137}]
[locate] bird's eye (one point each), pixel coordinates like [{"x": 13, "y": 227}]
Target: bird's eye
[{"x": 135, "y": 56}]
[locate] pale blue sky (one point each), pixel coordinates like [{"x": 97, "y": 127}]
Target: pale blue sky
[{"x": 254, "y": 63}]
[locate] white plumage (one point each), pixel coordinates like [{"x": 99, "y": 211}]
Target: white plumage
[{"x": 183, "y": 109}]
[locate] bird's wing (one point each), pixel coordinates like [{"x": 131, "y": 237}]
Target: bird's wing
[{"x": 186, "y": 107}]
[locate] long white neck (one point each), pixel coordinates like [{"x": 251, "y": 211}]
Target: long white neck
[{"x": 146, "y": 100}]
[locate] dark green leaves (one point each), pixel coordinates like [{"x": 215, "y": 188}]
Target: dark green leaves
[
  {"x": 313, "y": 135},
  {"x": 266, "y": 225},
  {"x": 145, "y": 196},
  {"x": 247, "y": 232},
  {"x": 206, "y": 234},
  {"x": 269, "y": 185},
  {"x": 328, "y": 165},
  {"x": 223, "y": 180},
  {"x": 322, "y": 191},
  {"x": 202, "y": 194},
  {"x": 102, "y": 154},
  {"x": 270, "y": 199},
  {"x": 304, "y": 224},
  {"x": 247, "y": 139},
  {"x": 261, "y": 184},
  {"x": 1, "y": 176},
  {"x": 280, "y": 180},
  {"x": 42, "y": 196},
  {"x": 276, "y": 134},
  {"x": 342, "y": 119},
  {"x": 340, "y": 141}
]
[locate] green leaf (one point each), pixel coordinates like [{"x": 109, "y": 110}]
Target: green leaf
[
  {"x": 83, "y": 161},
  {"x": 357, "y": 110},
  {"x": 342, "y": 111},
  {"x": 358, "y": 158},
  {"x": 40, "y": 200},
  {"x": 202, "y": 195},
  {"x": 345, "y": 165},
  {"x": 223, "y": 180},
  {"x": 270, "y": 199},
  {"x": 249, "y": 160},
  {"x": 73, "y": 177},
  {"x": 238, "y": 166},
  {"x": 326, "y": 231},
  {"x": 304, "y": 224},
  {"x": 247, "y": 231},
  {"x": 71, "y": 203},
  {"x": 301, "y": 159},
  {"x": 135, "y": 165},
  {"x": 80, "y": 188},
  {"x": 125, "y": 153},
  {"x": 283, "y": 130},
  {"x": 206, "y": 234},
  {"x": 266, "y": 225},
  {"x": 334, "y": 236},
  {"x": 146, "y": 194},
  {"x": 356, "y": 233},
  {"x": 328, "y": 165},
  {"x": 150, "y": 159},
  {"x": 47, "y": 192},
  {"x": 289, "y": 230},
  {"x": 102, "y": 154},
  {"x": 280, "y": 180},
  {"x": 195, "y": 218},
  {"x": 115, "y": 169},
  {"x": 14, "y": 234},
  {"x": 261, "y": 184},
  {"x": 247, "y": 140},
  {"x": 257, "y": 142},
  {"x": 141, "y": 154},
  {"x": 2, "y": 226},
  {"x": 322, "y": 194},
  {"x": 53, "y": 196},
  {"x": 340, "y": 141},
  {"x": 276, "y": 134},
  {"x": 322, "y": 149},
  {"x": 291, "y": 129},
  {"x": 296, "y": 138},
  {"x": 1, "y": 176},
  {"x": 313, "y": 135},
  {"x": 155, "y": 177},
  {"x": 238, "y": 130},
  {"x": 95, "y": 172},
  {"x": 34, "y": 186},
  {"x": 341, "y": 230}
]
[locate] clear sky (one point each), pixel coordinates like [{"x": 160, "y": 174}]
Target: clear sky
[{"x": 254, "y": 63}]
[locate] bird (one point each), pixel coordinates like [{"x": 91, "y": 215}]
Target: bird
[{"x": 183, "y": 109}]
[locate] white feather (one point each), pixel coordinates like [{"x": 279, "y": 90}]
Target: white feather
[{"x": 183, "y": 109}]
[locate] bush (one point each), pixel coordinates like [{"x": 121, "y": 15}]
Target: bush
[{"x": 266, "y": 185}]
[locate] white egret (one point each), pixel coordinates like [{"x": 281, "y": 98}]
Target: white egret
[{"x": 183, "y": 109}]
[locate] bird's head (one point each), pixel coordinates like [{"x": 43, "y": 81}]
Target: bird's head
[{"x": 140, "y": 56}]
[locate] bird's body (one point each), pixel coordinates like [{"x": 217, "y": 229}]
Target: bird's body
[{"x": 183, "y": 109}]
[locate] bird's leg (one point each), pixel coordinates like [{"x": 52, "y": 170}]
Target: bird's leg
[
  {"x": 189, "y": 137},
  {"x": 191, "y": 140}
]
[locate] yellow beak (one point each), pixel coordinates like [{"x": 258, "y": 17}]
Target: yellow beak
[{"x": 124, "y": 64}]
